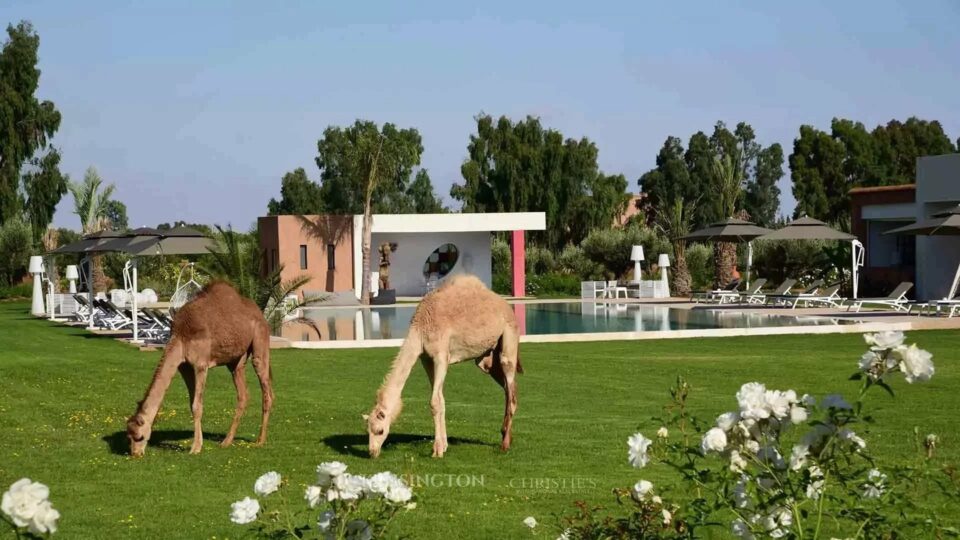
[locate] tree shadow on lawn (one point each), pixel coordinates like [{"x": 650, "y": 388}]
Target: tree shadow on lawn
[
  {"x": 357, "y": 444},
  {"x": 164, "y": 440}
]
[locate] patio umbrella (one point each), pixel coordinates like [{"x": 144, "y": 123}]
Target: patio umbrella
[
  {"x": 731, "y": 230},
  {"x": 945, "y": 223},
  {"x": 145, "y": 242},
  {"x": 807, "y": 228},
  {"x": 91, "y": 243}
]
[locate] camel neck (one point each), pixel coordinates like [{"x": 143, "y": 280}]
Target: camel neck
[
  {"x": 396, "y": 379},
  {"x": 166, "y": 370}
]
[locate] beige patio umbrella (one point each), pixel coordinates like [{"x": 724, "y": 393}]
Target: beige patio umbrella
[
  {"x": 946, "y": 223},
  {"x": 91, "y": 243},
  {"x": 807, "y": 228},
  {"x": 731, "y": 230}
]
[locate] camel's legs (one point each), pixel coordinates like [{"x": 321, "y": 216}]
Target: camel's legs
[
  {"x": 186, "y": 371},
  {"x": 200, "y": 374},
  {"x": 504, "y": 371},
  {"x": 261, "y": 363},
  {"x": 437, "y": 404},
  {"x": 238, "y": 369}
]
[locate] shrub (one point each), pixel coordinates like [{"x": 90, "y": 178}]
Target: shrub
[
  {"x": 574, "y": 261},
  {"x": 500, "y": 256},
  {"x": 553, "y": 284},
  {"x": 700, "y": 263},
  {"x": 610, "y": 248},
  {"x": 783, "y": 465},
  {"x": 502, "y": 283},
  {"x": 17, "y": 292},
  {"x": 540, "y": 260},
  {"x": 16, "y": 245}
]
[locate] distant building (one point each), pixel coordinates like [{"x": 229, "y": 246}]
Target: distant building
[
  {"x": 928, "y": 261},
  {"x": 633, "y": 208},
  {"x": 430, "y": 247}
]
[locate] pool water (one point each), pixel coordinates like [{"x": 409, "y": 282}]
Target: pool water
[{"x": 393, "y": 322}]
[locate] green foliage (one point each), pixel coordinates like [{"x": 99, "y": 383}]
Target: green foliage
[
  {"x": 298, "y": 196},
  {"x": 803, "y": 260},
  {"x": 540, "y": 260},
  {"x": 553, "y": 284},
  {"x": 517, "y": 167},
  {"x": 574, "y": 261},
  {"x": 502, "y": 283},
  {"x": 26, "y": 127},
  {"x": 116, "y": 213},
  {"x": 825, "y": 166},
  {"x": 91, "y": 203},
  {"x": 16, "y": 292},
  {"x": 16, "y": 245},
  {"x": 700, "y": 263},
  {"x": 500, "y": 256},
  {"x": 689, "y": 174},
  {"x": 345, "y": 156},
  {"x": 610, "y": 248},
  {"x": 423, "y": 197}
]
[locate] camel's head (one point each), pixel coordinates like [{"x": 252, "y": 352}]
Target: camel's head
[
  {"x": 138, "y": 433},
  {"x": 378, "y": 427}
]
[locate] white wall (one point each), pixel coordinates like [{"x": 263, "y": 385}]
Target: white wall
[
  {"x": 938, "y": 188},
  {"x": 406, "y": 268}
]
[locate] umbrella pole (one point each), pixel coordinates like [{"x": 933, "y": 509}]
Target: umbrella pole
[
  {"x": 88, "y": 277},
  {"x": 856, "y": 254},
  {"x": 134, "y": 294},
  {"x": 749, "y": 261},
  {"x": 953, "y": 286}
]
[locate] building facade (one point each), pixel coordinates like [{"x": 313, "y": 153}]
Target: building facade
[
  {"x": 930, "y": 262},
  {"x": 429, "y": 248}
]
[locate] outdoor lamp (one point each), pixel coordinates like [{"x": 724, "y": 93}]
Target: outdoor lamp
[
  {"x": 663, "y": 261},
  {"x": 636, "y": 255},
  {"x": 72, "y": 275},
  {"x": 36, "y": 269}
]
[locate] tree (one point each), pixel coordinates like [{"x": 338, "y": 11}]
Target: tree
[
  {"x": 728, "y": 175},
  {"x": 422, "y": 195},
  {"x": 825, "y": 166},
  {"x": 298, "y": 196},
  {"x": 26, "y": 126},
  {"x": 521, "y": 166},
  {"x": 762, "y": 201},
  {"x": 91, "y": 204},
  {"x": 364, "y": 169},
  {"x": 116, "y": 214},
  {"x": 675, "y": 220}
]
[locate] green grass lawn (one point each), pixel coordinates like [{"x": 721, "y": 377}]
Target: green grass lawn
[{"x": 65, "y": 395}]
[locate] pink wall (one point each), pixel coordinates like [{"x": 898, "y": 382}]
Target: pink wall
[
  {"x": 282, "y": 236},
  {"x": 518, "y": 255}
]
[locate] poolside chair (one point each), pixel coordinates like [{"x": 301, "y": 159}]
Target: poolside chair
[
  {"x": 829, "y": 296},
  {"x": 791, "y": 299},
  {"x": 593, "y": 289},
  {"x": 760, "y": 297},
  {"x": 717, "y": 294},
  {"x": 614, "y": 290},
  {"x": 897, "y": 299}
]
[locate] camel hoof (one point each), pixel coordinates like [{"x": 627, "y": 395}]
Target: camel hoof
[
  {"x": 439, "y": 449},
  {"x": 195, "y": 449},
  {"x": 225, "y": 443}
]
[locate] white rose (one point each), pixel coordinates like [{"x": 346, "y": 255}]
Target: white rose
[
  {"x": 663, "y": 433},
  {"x": 727, "y": 420},
  {"x": 752, "y": 401},
  {"x": 244, "y": 511},
  {"x": 267, "y": 484},
  {"x": 915, "y": 363},
  {"x": 873, "y": 489},
  {"x": 637, "y": 452},
  {"x": 313, "y": 495},
  {"x": 798, "y": 415},
  {"x": 530, "y": 522},
  {"x": 771, "y": 456},
  {"x": 798, "y": 456},
  {"x": 325, "y": 519},
  {"x": 778, "y": 403},
  {"x": 44, "y": 519},
  {"x": 741, "y": 497},
  {"x": 737, "y": 463},
  {"x": 346, "y": 487},
  {"x": 752, "y": 446},
  {"x": 815, "y": 487},
  {"x": 641, "y": 489},
  {"x": 741, "y": 530},
  {"x": 884, "y": 340},
  {"x": 379, "y": 483},
  {"x": 667, "y": 517},
  {"x": 328, "y": 471},
  {"x": 714, "y": 441},
  {"x": 848, "y": 435},
  {"x": 22, "y": 501},
  {"x": 869, "y": 360},
  {"x": 398, "y": 493}
]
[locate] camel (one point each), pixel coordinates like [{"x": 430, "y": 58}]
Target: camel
[
  {"x": 217, "y": 328},
  {"x": 459, "y": 320}
]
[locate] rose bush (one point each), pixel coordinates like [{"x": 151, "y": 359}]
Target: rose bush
[{"x": 26, "y": 508}]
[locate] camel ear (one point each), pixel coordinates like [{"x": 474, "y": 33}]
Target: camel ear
[
  {"x": 365, "y": 417},
  {"x": 138, "y": 419}
]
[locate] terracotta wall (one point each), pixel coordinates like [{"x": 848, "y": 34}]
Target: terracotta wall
[{"x": 282, "y": 236}]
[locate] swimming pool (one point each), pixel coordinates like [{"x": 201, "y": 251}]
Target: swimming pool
[{"x": 563, "y": 318}]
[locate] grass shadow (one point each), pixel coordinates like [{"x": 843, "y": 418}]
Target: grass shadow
[
  {"x": 164, "y": 439},
  {"x": 356, "y": 444}
]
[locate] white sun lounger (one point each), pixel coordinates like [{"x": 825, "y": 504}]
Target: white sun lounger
[
  {"x": 897, "y": 299},
  {"x": 760, "y": 298},
  {"x": 791, "y": 299}
]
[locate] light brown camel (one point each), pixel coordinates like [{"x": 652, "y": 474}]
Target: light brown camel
[
  {"x": 217, "y": 328},
  {"x": 460, "y": 320}
]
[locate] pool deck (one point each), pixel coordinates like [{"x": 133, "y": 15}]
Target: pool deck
[{"x": 870, "y": 321}]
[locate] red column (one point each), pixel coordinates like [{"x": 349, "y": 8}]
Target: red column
[{"x": 518, "y": 254}]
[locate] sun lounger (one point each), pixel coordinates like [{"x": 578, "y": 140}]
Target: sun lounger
[
  {"x": 897, "y": 299},
  {"x": 718, "y": 294},
  {"x": 829, "y": 296},
  {"x": 791, "y": 299},
  {"x": 760, "y": 298}
]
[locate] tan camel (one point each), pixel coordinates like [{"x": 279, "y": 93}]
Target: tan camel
[
  {"x": 459, "y": 320},
  {"x": 217, "y": 328}
]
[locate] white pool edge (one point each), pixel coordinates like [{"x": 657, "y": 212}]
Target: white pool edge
[{"x": 857, "y": 328}]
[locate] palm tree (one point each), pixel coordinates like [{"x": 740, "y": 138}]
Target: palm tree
[
  {"x": 91, "y": 203},
  {"x": 238, "y": 258},
  {"x": 675, "y": 220},
  {"x": 728, "y": 174}
]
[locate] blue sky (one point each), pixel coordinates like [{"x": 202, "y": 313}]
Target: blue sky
[{"x": 196, "y": 109}]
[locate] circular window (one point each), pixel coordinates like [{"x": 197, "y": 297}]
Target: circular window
[{"x": 441, "y": 261}]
